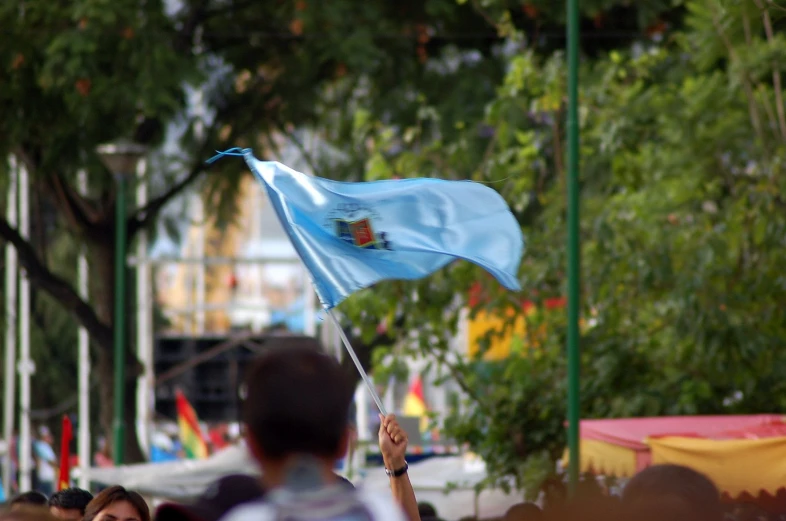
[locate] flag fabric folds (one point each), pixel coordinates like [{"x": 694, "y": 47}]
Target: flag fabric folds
[
  {"x": 64, "y": 477},
  {"x": 353, "y": 235},
  {"x": 191, "y": 436}
]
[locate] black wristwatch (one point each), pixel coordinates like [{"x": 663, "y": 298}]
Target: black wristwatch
[{"x": 397, "y": 473}]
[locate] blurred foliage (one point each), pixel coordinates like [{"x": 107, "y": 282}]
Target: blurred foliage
[
  {"x": 683, "y": 140},
  {"x": 683, "y": 224}
]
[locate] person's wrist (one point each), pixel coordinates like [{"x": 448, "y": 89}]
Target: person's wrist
[{"x": 394, "y": 463}]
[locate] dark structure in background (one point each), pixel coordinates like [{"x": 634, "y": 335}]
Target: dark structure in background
[{"x": 209, "y": 369}]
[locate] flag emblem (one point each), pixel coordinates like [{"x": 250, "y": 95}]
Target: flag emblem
[{"x": 361, "y": 234}]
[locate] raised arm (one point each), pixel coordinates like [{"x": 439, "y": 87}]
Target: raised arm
[{"x": 393, "y": 445}]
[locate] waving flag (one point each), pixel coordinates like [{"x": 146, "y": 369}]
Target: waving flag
[
  {"x": 190, "y": 432},
  {"x": 415, "y": 403},
  {"x": 353, "y": 235},
  {"x": 64, "y": 478}
]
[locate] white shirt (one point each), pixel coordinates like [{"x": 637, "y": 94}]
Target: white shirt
[
  {"x": 335, "y": 503},
  {"x": 46, "y": 461}
]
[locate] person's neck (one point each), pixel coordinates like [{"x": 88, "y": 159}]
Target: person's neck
[{"x": 298, "y": 472}]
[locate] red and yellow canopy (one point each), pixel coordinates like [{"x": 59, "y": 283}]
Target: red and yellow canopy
[{"x": 744, "y": 455}]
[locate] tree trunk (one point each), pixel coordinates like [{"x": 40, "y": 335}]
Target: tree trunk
[{"x": 102, "y": 293}]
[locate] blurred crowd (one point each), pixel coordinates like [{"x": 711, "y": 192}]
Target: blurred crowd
[{"x": 296, "y": 413}]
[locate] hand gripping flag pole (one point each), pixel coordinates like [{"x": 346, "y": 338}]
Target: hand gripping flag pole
[{"x": 352, "y": 235}]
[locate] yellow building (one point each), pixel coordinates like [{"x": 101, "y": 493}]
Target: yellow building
[
  {"x": 252, "y": 275},
  {"x": 503, "y": 332}
]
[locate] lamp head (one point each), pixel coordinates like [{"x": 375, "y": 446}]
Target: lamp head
[{"x": 121, "y": 157}]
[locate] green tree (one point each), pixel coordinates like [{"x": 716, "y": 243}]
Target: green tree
[
  {"x": 91, "y": 72},
  {"x": 682, "y": 230},
  {"x": 467, "y": 89},
  {"x": 79, "y": 75}
]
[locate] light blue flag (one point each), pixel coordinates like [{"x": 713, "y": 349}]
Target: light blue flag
[{"x": 353, "y": 235}]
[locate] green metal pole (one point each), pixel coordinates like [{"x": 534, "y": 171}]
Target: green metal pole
[
  {"x": 574, "y": 261},
  {"x": 118, "y": 447}
]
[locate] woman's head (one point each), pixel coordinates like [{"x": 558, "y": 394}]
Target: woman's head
[{"x": 117, "y": 504}]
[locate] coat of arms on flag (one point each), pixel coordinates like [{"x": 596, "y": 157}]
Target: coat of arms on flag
[{"x": 360, "y": 233}]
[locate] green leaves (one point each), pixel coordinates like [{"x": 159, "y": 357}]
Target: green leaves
[
  {"x": 682, "y": 232},
  {"x": 83, "y": 73},
  {"x": 683, "y": 140}
]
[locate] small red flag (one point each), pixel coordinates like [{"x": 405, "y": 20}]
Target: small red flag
[{"x": 64, "y": 481}]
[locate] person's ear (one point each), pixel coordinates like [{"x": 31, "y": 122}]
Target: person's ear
[
  {"x": 343, "y": 445},
  {"x": 253, "y": 447}
]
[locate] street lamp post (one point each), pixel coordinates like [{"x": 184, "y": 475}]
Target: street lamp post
[{"x": 121, "y": 159}]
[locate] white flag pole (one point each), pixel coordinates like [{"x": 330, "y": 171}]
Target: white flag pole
[
  {"x": 144, "y": 322},
  {"x": 359, "y": 367},
  {"x": 26, "y": 366},
  {"x": 83, "y": 446},
  {"x": 11, "y": 308}
]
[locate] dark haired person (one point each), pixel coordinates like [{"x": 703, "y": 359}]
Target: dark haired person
[
  {"x": 220, "y": 497},
  {"x": 28, "y": 499},
  {"x": 672, "y": 492},
  {"x": 426, "y": 510},
  {"x": 69, "y": 504},
  {"x": 523, "y": 512},
  {"x": 296, "y": 414},
  {"x": 117, "y": 504}
]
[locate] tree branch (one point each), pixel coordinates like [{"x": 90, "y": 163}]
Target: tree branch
[
  {"x": 292, "y": 137},
  {"x": 147, "y": 214},
  {"x": 746, "y": 83},
  {"x": 196, "y": 18},
  {"x": 43, "y": 279},
  {"x": 70, "y": 202},
  {"x": 776, "y": 72},
  {"x": 75, "y": 209},
  {"x": 486, "y": 16}
]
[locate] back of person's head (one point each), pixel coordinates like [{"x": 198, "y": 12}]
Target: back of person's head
[
  {"x": 116, "y": 498},
  {"x": 523, "y": 512},
  {"x": 676, "y": 491},
  {"x": 426, "y": 509},
  {"x": 297, "y": 403},
  {"x": 29, "y": 499},
  {"x": 66, "y": 503}
]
